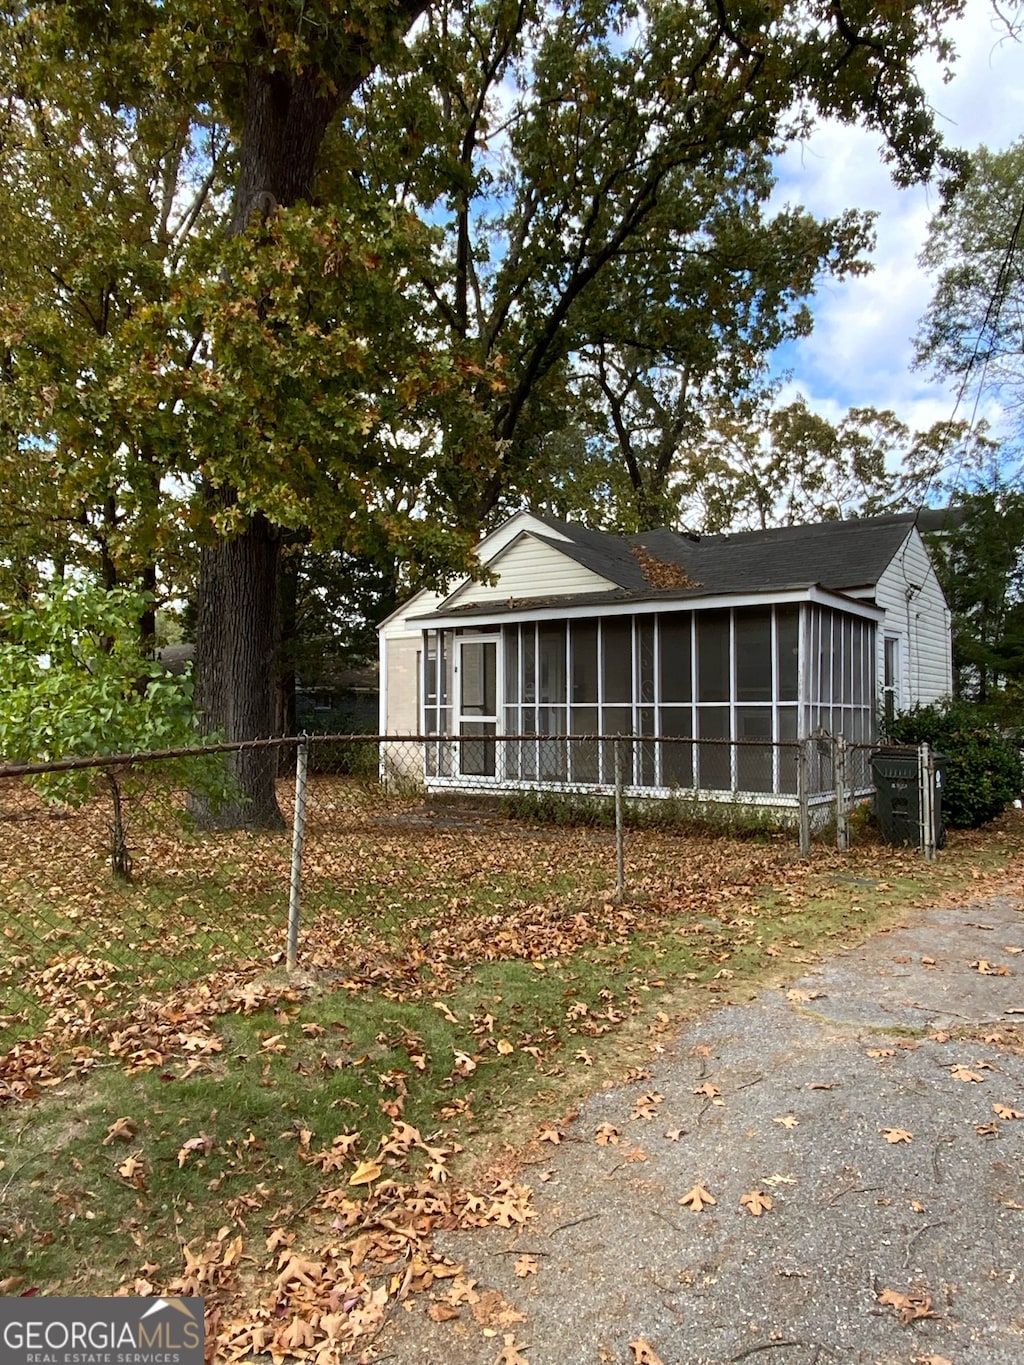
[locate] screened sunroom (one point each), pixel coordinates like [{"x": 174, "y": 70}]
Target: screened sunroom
[{"x": 711, "y": 695}]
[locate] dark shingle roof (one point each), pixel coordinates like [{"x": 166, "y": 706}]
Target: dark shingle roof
[{"x": 840, "y": 555}]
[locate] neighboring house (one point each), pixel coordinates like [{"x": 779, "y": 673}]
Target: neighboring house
[{"x": 762, "y": 637}]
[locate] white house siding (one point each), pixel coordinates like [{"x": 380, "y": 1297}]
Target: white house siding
[
  {"x": 916, "y": 611},
  {"x": 528, "y": 569}
]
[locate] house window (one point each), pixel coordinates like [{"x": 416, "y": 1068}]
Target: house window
[{"x": 891, "y": 678}]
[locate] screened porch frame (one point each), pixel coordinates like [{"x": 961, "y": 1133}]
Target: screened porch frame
[{"x": 568, "y": 694}]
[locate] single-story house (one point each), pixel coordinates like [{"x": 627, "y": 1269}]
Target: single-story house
[{"x": 711, "y": 651}]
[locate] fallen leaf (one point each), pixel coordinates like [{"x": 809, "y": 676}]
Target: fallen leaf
[
  {"x": 492, "y": 1309},
  {"x": 881, "y": 1052},
  {"x": 799, "y": 997},
  {"x": 442, "y": 1312},
  {"x": 756, "y": 1202},
  {"x": 526, "y": 1265},
  {"x": 707, "y": 1089},
  {"x": 297, "y": 1335},
  {"x": 1003, "y": 1111},
  {"x": 674, "y": 1134},
  {"x": 551, "y": 1135},
  {"x": 987, "y": 1129},
  {"x": 696, "y": 1198},
  {"x": 896, "y": 1135},
  {"x": 608, "y": 1135},
  {"x": 644, "y": 1354},
  {"x": 203, "y": 1143},
  {"x": 932, "y": 1360},
  {"x": 909, "y": 1307},
  {"x": 505, "y": 1048},
  {"x": 132, "y": 1169},
  {"x": 510, "y": 1353},
  {"x": 366, "y": 1173},
  {"x": 964, "y": 1073},
  {"x": 788, "y": 1121},
  {"x": 646, "y": 1106},
  {"x": 123, "y": 1130}
]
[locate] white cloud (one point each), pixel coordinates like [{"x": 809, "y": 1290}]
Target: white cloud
[{"x": 861, "y": 350}]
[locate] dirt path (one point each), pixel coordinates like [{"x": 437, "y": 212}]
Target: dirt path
[{"x": 879, "y": 1105}]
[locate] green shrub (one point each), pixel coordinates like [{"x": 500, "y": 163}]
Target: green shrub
[{"x": 984, "y": 773}]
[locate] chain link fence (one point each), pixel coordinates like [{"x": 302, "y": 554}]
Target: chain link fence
[{"x": 120, "y": 915}]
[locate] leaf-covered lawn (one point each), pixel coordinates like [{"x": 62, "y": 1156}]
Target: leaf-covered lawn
[{"x": 182, "y": 1117}]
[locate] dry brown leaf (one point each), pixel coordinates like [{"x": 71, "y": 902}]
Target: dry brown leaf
[
  {"x": 297, "y": 1335},
  {"x": 908, "y": 1307},
  {"x": 644, "y": 1353},
  {"x": 608, "y": 1135},
  {"x": 510, "y": 1353},
  {"x": 505, "y": 1048},
  {"x": 696, "y": 1198},
  {"x": 526, "y": 1265},
  {"x": 646, "y": 1107},
  {"x": 932, "y": 1360},
  {"x": 756, "y": 1202},
  {"x": 492, "y": 1309},
  {"x": 366, "y": 1173},
  {"x": 550, "y": 1134},
  {"x": 134, "y": 1170},
  {"x": 881, "y": 1052},
  {"x": 674, "y": 1134},
  {"x": 442, "y": 1311},
  {"x": 1004, "y": 1111},
  {"x": 895, "y": 1135},
  {"x": 122, "y": 1130},
  {"x": 964, "y": 1073},
  {"x": 788, "y": 1121}
]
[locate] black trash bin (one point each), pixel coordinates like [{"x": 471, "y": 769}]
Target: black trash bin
[{"x": 898, "y": 795}]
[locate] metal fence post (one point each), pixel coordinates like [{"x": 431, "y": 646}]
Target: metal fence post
[
  {"x": 803, "y": 794},
  {"x": 620, "y": 859},
  {"x": 298, "y": 836},
  {"x": 842, "y": 824},
  {"x": 926, "y": 788}
]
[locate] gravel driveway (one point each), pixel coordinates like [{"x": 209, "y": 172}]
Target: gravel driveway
[{"x": 878, "y": 1104}]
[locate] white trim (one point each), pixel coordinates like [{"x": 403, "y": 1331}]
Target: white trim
[{"x": 481, "y": 619}]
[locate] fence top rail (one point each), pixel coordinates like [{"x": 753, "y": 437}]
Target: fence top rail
[{"x": 63, "y": 765}]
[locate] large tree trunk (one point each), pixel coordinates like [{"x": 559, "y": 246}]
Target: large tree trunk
[{"x": 236, "y": 646}]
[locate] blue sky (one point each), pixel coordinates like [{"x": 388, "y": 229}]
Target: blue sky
[{"x": 861, "y": 351}]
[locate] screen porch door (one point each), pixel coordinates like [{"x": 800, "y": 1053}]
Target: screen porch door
[{"x": 477, "y": 692}]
